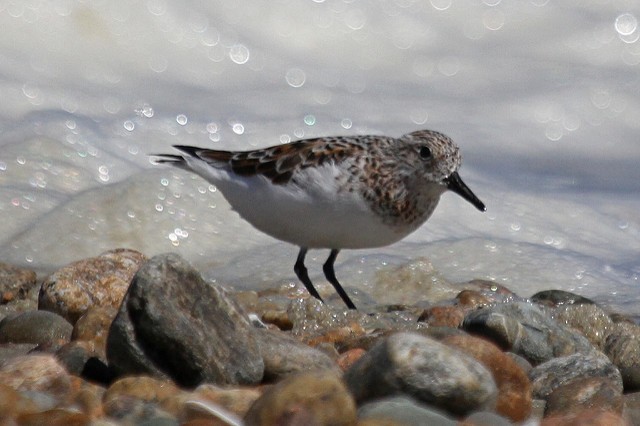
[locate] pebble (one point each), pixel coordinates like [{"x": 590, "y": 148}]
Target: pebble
[
  {"x": 583, "y": 394},
  {"x": 93, "y": 327},
  {"x": 283, "y": 355},
  {"x": 37, "y": 327},
  {"x": 97, "y": 281},
  {"x": 545, "y": 378},
  {"x": 37, "y": 372},
  {"x": 138, "y": 394},
  {"x": 514, "y": 388},
  {"x": 173, "y": 324},
  {"x": 590, "y": 320},
  {"x": 443, "y": 316},
  {"x": 403, "y": 410},
  {"x": 559, "y": 297},
  {"x": 425, "y": 369},
  {"x": 400, "y": 370},
  {"x": 525, "y": 329},
  {"x": 311, "y": 398},
  {"x": 15, "y": 282},
  {"x": 622, "y": 346},
  {"x": 590, "y": 417}
]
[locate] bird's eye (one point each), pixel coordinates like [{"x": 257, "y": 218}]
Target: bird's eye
[{"x": 425, "y": 152}]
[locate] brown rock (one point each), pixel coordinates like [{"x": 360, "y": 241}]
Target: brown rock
[
  {"x": 347, "y": 359},
  {"x": 443, "y": 316},
  {"x": 15, "y": 282},
  {"x": 593, "y": 417},
  {"x": 514, "y": 387},
  {"x": 147, "y": 389},
  {"x": 590, "y": 320},
  {"x": 583, "y": 394},
  {"x": 97, "y": 281},
  {"x": 41, "y": 373},
  {"x": 235, "y": 400},
  {"x": 55, "y": 417},
  {"x": 318, "y": 398},
  {"x": 93, "y": 326},
  {"x": 39, "y": 327},
  {"x": 13, "y": 403},
  {"x": 87, "y": 397},
  {"x": 472, "y": 299}
]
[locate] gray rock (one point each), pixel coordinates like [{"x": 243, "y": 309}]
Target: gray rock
[
  {"x": 284, "y": 355},
  {"x": 578, "y": 395},
  {"x": 420, "y": 367},
  {"x": 485, "y": 418},
  {"x": 174, "y": 324},
  {"x": 547, "y": 377},
  {"x": 589, "y": 320},
  {"x": 622, "y": 346},
  {"x": 526, "y": 330},
  {"x": 39, "y": 327},
  {"x": 559, "y": 297},
  {"x": 405, "y": 411}
]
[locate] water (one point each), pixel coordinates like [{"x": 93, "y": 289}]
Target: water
[{"x": 542, "y": 97}]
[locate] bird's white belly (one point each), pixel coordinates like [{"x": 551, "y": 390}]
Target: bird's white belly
[{"x": 313, "y": 214}]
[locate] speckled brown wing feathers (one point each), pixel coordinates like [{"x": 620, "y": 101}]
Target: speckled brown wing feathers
[{"x": 279, "y": 163}]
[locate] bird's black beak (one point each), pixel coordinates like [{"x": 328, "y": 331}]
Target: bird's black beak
[{"x": 455, "y": 184}]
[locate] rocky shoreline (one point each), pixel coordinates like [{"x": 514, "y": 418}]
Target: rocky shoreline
[{"x": 120, "y": 339}]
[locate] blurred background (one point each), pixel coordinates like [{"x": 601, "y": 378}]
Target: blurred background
[{"x": 543, "y": 97}]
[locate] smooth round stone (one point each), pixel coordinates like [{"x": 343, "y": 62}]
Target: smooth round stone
[
  {"x": 484, "y": 418},
  {"x": 132, "y": 393},
  {"x": 582, "y": 394},
  {"x": 590, "y": 320},
  {"x": 559, "y": 297},
  {"x": 523, "y": 328},
  {"x": 514, "y": 387},
  {"x": 425, "y": 369},
  {"x": 284, "y": 355},
  {"x": 405, "y": 411},
  {"x": 622, "y": 346},
  {"x": 39, "y": 373},
  {"x": 15, "y": 282},
  {"x": 37, "y": 327},
  {"x": 314, "y": 398},
  {"x": 547, "y": 377}
]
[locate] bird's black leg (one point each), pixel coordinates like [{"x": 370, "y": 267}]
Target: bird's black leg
[
  {"x": 301, "y": 272},
  {"x": 331, "y": 276}
]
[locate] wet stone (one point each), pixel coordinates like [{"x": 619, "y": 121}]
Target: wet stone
[
  {"x": 514, "y": 387},
  {"x": 559, "y": 297},
  {"x": 283, "y": 355},
  {"x": 590, "y": 320},
  {"x": 38, "y": 327},
  {"x": 443, "y": 316},
  {"x": 526, "y": 330},
  {"x": 312, "y": 398},
  {"x": 97, "y": 281},
  {"x": 132, "y": 394},
  {"x": 622, "y": 346},
  {"x": 174, "y": 324},
  {"x": 582, "y": 394},
  {"x": 237, "y": 400},
  {"x": 590, "y": 417},
  {"x": 422, "y": 368},
  {"x": 547, "y": 377},
  {"x": 403, "y": 410},
  {"x": 39, "y": 373},
  {"x": 15, "y": 282},
  {"x": 93, "y": 327}
]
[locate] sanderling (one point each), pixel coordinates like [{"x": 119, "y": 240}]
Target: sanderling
[{"x": 344, "y": 192}]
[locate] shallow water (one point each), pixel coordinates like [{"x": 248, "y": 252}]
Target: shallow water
[{"x": 541, "y": 96}]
